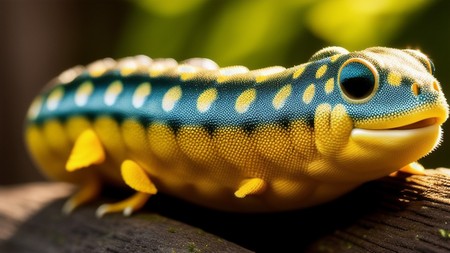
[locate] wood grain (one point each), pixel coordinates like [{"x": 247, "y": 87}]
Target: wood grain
[{"x": 394, "y": 214}]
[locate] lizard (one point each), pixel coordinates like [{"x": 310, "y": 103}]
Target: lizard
[{"x": 235, "y": 139}]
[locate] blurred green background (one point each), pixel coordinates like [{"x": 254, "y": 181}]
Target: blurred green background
[{"x": 39, "y": 39}]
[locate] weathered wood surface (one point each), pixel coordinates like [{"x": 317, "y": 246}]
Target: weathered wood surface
[
  {"x": 393, "y": 214},
  {"x": 31, "y": 221}
]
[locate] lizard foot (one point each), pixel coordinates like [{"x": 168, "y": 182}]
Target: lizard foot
[
  {"x": 86, "y": 193},
  {"x": 126, "y": 206}
]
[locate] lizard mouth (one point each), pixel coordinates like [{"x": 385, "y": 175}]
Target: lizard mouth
[
  {"x": 418, "y": 124},
  {"x": 421, "y": 118},
  {"x": 395, "y": 145}
]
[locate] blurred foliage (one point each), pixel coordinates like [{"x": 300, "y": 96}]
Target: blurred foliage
[
  {"x": 362, "y": 23},
  {"x": 261, "y": 33}
]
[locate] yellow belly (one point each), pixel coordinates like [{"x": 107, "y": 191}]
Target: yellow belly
[{"x": 193, "y": 165}]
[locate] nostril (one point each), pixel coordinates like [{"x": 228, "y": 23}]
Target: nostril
[
  {"x": 415, "y": 89},
  {"x": 436, "y": 86}
]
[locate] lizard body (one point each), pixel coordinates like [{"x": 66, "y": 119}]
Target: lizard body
[{"x": 264, "y": 140}]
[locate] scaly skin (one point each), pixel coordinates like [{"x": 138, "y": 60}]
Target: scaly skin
[{"x": 229, "y": 138}]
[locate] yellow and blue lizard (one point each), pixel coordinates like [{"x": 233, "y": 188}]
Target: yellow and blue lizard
[{"x": 270, "y": 139}]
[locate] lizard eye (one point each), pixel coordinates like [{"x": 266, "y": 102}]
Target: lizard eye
[{"x": 358, "y": 80}]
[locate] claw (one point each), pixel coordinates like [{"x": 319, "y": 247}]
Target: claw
[
  {"x": 127, "y": 206},
  {"x": 86, "y": 193},
  {"x": 135, "y": 177}
]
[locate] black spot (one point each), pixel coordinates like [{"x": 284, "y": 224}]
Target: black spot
[
  {"x": 210, "y": 127},
  {"x": 249, "y": 127},
  {"x": 174, "y": 125},
  {"x": 285, "y": 123},
  {"x": 310, "y": 122}
]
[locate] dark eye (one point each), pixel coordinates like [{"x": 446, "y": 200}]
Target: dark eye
[{"x": 358, "y": 80}]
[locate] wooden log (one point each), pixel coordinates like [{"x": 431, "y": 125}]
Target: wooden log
[
  {"x": 31, "y": 221},
  {"x": 394, "y": 214}
]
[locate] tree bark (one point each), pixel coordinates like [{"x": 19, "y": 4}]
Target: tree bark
[{"x": 403, "y": 213}]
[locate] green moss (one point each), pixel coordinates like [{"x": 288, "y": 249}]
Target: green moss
[
  {"x": 444, "y": 233},
  {"x": 200, "y": 232},
  {"x": 172, "y": 230},
  {"x": 193, "y": 248},
  {"x": 348, "y": 245},
  {"x": 151, "y": 217}
]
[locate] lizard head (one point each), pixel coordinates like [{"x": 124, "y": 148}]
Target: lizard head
[{"x": 394, "y": 104}]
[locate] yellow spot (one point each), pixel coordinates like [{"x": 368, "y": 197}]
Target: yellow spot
[
  {"x": 329, "y": 86},
  {"x": 436, "y": 86},
  {"x": 227, "y": 73},
  {"x": 206, "y": 99},
  {"x": 160, "y": 66},
  {"x": 70, "y": 74},
  {"x": 83, "y": 93},
  {"x": 187, "y": 72},
  {"x": 299, "y": 71},
  {"x": 321, "y": 71},
  {"x": 35, "y": 108},
  {"x": 112, "y": 92},
  {"x": 244, "y": 100},
  {"x": 265, "y": 73},
  {"x": 128, "y": 69},
  {"x": 415, "y": 89},
  {"x": 282, "y": 95},
  {"x": 394, "y": 78},
  {"x": 99, "y": 67},
  {"x": 260, "y": 79},
  {"x": 171, "y": 98},
  {"x": 335, "y": 57},
  {"x": 188, "y": 76},
  {"x": 140, "y": 94},
  {"x": 54, "y": 98},
  {"x": 127, "y": 66},
  {"x": 308, "y": 95},
  {"x": 155, "y": 72}
]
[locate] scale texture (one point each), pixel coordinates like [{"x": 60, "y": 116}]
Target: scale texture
[{"x": 229, "y": 138}]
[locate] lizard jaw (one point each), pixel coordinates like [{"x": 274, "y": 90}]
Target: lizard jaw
[
  {"x": 404, "y": 135},
  {"x": 380, "y": 152},
  {"x": 418, "y": 124}
]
